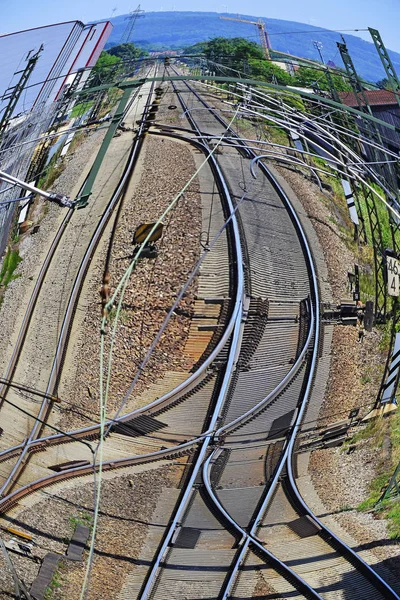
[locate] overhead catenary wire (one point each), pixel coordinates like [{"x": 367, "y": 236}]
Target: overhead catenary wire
[{"x": 121, "y": 288}]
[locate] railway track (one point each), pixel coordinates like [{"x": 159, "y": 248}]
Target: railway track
[
  {"x": 78, "y": 265},
  {"x": 239, "y": 513},
  {"x": 199, "y": 387},
  {"x": 247, "y": 484},
  {"x": 254, "y": 332}
]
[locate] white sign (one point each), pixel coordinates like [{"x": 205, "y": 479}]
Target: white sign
[{"x": 393, "y": 270}]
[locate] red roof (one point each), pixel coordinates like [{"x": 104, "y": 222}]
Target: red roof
[{"x": 374, "y": 97}]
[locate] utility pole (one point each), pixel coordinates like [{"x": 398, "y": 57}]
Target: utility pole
[
  {"x": 335, "y": 96},
  {"x": 82, "y": 201},
  {"x": 131, "y": 18},
  {"x": 67, "y": 95},
  {"x": 386, "y": 62},
  {"x": 14, "y": 92},
  {"x": 371, "y": 131}
]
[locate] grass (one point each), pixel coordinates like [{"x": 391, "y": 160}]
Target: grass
[
  {"x": 80, "y": 109},
  {"x": 386, "y": 331},
  {"x": 277, "y": 135},
  {"x": 52, "y": 171},
  {"x": 77, "y": 141},
  {"x": 374, "y": 429},
  {"x": 53, "y": 586},
  {"x": 124, "y": 316},
  {"x": 83, "y": 519},
  {"x": 382, "y": 434},
  {"x": 367, "y": 285},
  {"x": 389, "y": 509},
  {"x": 375, "y": 491},
  {"x": 10, "y": 263},
  {"x": 393, "y": 517}
]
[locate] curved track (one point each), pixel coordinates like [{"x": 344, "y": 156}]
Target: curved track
[
  {"x": 191, "y": 388},
  {"x": 232, "y": 509},
  {"x": 240, "y": 512},
  {"x": 23, "y": 450}
]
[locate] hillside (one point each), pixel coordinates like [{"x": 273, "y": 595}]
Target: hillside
[{"x": 173, "y": 30}]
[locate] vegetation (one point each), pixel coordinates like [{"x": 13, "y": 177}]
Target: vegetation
[
  {"x": 110, "y": 64},
  {"x": 10, "y": 263},
  {"x": 377, "y": 431},
  {"x": 53, "y": 586},
  {"x": 52, "y": 171},
  {"x": 80, "y": 109},
  {"x": 106, "y": 69},
  {"x": 384, "y": 84},
  {"x": 180, "y": 29},
  {"x": 240, "y": 54},
  {"x": 248, "y": 57},
  {"x": 83, "y": 519},
  {"x": 127, "y": 52},
  {"x": 310, "y": 77}
]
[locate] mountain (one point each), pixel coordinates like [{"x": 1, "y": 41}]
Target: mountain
[{"x": 176, "y": 30}]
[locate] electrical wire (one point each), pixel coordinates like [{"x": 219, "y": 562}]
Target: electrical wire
[
  {"x": 121, "y": 287},
  {"x": 53, "y": 427}
]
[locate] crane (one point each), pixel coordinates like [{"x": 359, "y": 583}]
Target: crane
[{"x": 262, "y": 32}]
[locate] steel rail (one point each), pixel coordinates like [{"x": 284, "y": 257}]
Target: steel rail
[
  {"x": 263, "y": 404},
  {"x": 31, "y": 305},
  {"x": 288, "y": 454},
  {"x": 90, "y": 430},
  {"x": 239, "y": 276},
  {"x": 345, "y": 550},
  {"x": 313, "y": 331},
  {"x": 300, "y": 583},
  {"x": 362, "y": 566},
  {"x": 14, "y": 497},
  {"x": 249, "y": 539},
  {"x": 70, "y": 312},
  {"x": 300, "y": 128}
]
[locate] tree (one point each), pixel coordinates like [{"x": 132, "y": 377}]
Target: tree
[
  {"x": 127, "y": 52},
  {"x": 384, "y": 84},
  {"x": 310, "y": 77},
  {"x": 234, "y": 51},
  {"x": 106, "y": 69},
  {"x": 265, "y": 70}
]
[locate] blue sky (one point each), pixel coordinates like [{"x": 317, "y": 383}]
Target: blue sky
[{"x": 332, "y": 14}]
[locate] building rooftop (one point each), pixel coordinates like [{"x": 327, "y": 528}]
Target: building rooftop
[{"x": 374, "y": 97}]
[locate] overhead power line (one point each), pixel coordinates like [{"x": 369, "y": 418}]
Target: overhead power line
[{"x": 316, "y": 31}]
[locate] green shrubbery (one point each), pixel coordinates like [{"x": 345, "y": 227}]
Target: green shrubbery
[{"x": 11, "y": 262}]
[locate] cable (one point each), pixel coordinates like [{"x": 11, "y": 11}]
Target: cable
[
  {"x": 53, "y": 427},
  {"x": 103, "y": 399},
  {"x": 316, "y": 31}
]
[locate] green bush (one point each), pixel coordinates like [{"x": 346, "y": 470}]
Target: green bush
[{"x": 11, "y": 262}]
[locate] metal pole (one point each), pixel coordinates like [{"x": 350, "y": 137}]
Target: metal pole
[
  {"x": 386, "y": 62},
  {"x": 59, "y": 198},
  {"x": 82, "y": 200},
  {"x": 334, "y": 94}
]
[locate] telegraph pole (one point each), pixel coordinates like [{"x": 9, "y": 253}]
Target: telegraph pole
[
  {"x": 131, "y": 18},
  {"x": 335, "y": 96}
]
